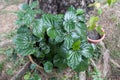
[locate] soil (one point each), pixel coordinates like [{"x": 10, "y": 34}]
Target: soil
[
  {"x": 60, "y": 6},
  {"x": 93, "y": 35},
  {"x": 110, "y": 21}
]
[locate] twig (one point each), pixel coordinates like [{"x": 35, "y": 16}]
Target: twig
[
  {"x": 21, "y": 72},
  {"x": 115, "y": 63},
  {"x": 38, "y": 67},
  {"x": 35, "y": 63},
  {"x": 93, "y": 63}
]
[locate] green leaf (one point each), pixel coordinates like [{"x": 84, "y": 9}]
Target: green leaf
[
  {"x": 92, "y": 22},
  {"x": 45, "y": 49},
  {"x": 39, "y": 29},
  {"x": 81, "y": 30},
  {"x": 60, "y": 61},
  {"x": 52, "y": 33},
  {"x": 69, "y": 25},
  {"x": 60, "y": 36},
  {"x": 24, "y": 41},
  {"x": 51, "y": 20},
  {"x": 48, "y": 66},
  {"x": 75, "y": 36},
  {"x": 78, "y": 60},
  {"x": 109, "y": 2},
  {"x": 23, "y": 29},
  {"x": 69, "y": 21},
  {"x": 82, "y": 18},
  {"x": 73, "y": 59},
  {"x": 70, "y": 16},
  {"x": 86, "y": 50},
  {"x": 98, "y": 29},
  {"x": 27, "y": 76},
  {"x": 35, "y": 76},
  {"x": 20, "y": 21},
  {"x": 76, "y": 45},
  {"x": 79, "y": 11},
  {"x": 71, "y": 9},
  {"x": 68, "y": 41},
  {"x": 100, "y": 11},
  {"x": 33, "y": 4},
  {"x": 83, "y": 66},
  {"x": 32, "y": 66},
  {"x": 26, "y": 51},
  {"x": 24, "y": 6}
]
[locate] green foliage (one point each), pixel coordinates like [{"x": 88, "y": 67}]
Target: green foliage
[
  {"x": 26, "y": 16},
  {"x": 32, "y": 76},
  {"x": 32, "y": 66},
  {"x": 96, "y": 74},
  {"x": 111, "y": 2},
  {"x": 97, "y": 53},
  {"x": 55, "y": 40},
  {"x": 9, "y": 71},
  {"x": 100, "y": 11},
  {"x": 92, "y": 22},
  {"x": 93, "y": 25},
  {"x": 48, "y": 66}
]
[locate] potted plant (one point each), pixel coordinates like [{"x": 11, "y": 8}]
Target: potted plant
[
  {"x": 95, "y": 32},
  {"x": 54, "y": 41}
]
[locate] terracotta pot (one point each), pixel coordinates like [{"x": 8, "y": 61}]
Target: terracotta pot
[{"x": 99, "y": 40}]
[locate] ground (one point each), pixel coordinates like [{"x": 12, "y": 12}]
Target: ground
[{"x": 109, "y": 20}]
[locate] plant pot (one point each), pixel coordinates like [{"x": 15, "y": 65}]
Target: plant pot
[{"x": 98, "y": 40}]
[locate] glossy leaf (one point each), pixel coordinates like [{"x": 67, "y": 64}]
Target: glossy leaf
[
  {"x": 73, "y": 59},
  {"x": 52, "y": 20},
  {"x": 69, "y": 16},
  {"x": 83, "y": 65},
  {"x": 68, "y": 42},
  {"x": 82, "y": 18},
  {"x": 81, "y": 30},
  {"x": 24, "y": 6},
  {"x": 33, "y": 4},
  {"x": 39, "y": 29},
  {"x": 71, "y": 9},
  {"x": 86, "y": 50},
  {"x": 60, "y": 36},
  {"x": 52, "y": 33},
  {"x": 24, "y": 42},
  {"x": 48, "y": 66},
  {"x": 60, "y": 61},
  {"x": 23, "y": 29},
  {"x": 75, "y": 35},
  {"x": 80, "y": 11},
  {"x": 69, "y": 26}
]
